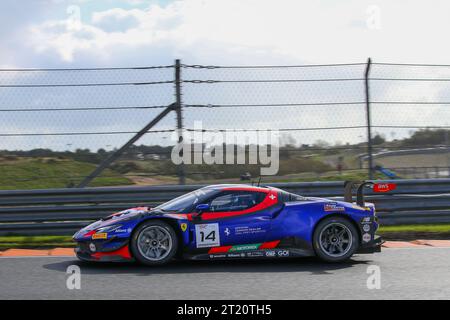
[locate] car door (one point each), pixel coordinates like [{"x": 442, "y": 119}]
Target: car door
[{"x": 236, "y": 217}]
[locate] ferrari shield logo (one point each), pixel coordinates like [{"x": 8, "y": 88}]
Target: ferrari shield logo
[{"x": 183, "y": 227}]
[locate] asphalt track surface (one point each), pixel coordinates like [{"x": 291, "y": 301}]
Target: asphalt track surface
[{"x": 406, "y": 273}]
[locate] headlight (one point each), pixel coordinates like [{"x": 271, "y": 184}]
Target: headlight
[{"x": 109, "y": 228}]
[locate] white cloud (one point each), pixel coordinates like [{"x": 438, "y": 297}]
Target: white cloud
[
  {"x": 117, "y": 19},
  {"x": 305, "y": 31},
  {"x": 240, "y": 32},
  {"x": 60, "y": 37}
]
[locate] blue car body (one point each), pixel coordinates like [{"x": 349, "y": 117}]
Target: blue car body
[{"x": 269, "y": 223}]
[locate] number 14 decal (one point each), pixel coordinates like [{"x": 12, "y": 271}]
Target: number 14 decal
[
  {"x": 207, "y": 235},
  {"x": 211, "y": 236}
]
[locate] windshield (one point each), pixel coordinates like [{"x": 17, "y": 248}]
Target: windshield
[{"x": 186, "y": 201}]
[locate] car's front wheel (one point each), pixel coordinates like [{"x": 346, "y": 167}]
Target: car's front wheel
[
  {"x": 154, "y": 243},
  {"x": 335, "y": 239}
]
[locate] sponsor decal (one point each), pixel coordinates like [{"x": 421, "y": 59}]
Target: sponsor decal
[
  {"x": 248, "y": 230},
  {"x": 384, "y": 187},
  {"x": 366, "y": 227},
  {"x": 92, "y": 247},
  {"x": 255, "y": 254},
  {"x": 207, "y": 235},
  {"x": 183, "y": 227},
  {"x": 333, "y": 207},
  {"x": 123, "y": 230},
  {"x": 235, "y": 255},
  {"x": 227, "y": 231},
  {"x": 271, "y": 253},
  {"x": 102, "y": 235},
  {"x": 252, "y": 246},
  {"x": 366, "y": 237},
  {"x": 252, "y": 254},
  {"x": 283, "y": 253},
  {"x": 366, "y": 220},
  {"x": 244, "y": 247}
]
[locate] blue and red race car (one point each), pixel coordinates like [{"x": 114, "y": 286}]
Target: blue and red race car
[{"x": 234, "y": 222}]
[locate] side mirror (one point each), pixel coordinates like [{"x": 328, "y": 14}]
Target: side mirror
[
  {"x": 199, "y": 209},
  {"x": 202, "y": 207}
]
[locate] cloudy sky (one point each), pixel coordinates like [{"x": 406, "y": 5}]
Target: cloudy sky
[
  {"x": 50, "y": 33},
  {"x": 110, "y": 33}
]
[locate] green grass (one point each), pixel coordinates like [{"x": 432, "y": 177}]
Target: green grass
[
  {"x": 43, "y": 173},
  {"x": 9, "y": 242},
  {"x": 432, "y": 228}
]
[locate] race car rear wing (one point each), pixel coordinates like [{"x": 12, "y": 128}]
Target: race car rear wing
[{"x": 360, "y": 185}]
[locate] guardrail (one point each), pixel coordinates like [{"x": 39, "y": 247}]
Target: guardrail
[{"x": 63, "y": 211}]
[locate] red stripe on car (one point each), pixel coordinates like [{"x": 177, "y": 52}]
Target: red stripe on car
[
  {"x": 223, "y": 249},
  {"x": 269, "y": 245},
  {"x": 255, "y": 189},
  {"x": 270, "y": 200},
  {"x": 90, "y": 233},
  {"x": 123, "y": 252}
]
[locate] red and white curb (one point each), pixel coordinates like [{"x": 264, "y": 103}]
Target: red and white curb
[
  {"x": 60, "y": 252},
  {"x": 417, "y": 244}
]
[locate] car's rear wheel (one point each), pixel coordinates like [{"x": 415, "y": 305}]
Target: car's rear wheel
[
  {"x": 335, "y": 239},
  {"x": 154, "y": 243}
]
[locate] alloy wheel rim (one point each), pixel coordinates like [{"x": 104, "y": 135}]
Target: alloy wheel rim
[
  {"x": 336, "y": 240},
  {"x": 154, "y": 243}
]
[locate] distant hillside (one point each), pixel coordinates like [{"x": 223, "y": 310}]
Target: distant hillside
[
  {"x": 152, "y": 165},
  {"x": 30, "y": 173}
]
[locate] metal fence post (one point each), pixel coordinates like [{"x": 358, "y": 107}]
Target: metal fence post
[
  {"x": 369, "y": 121},
  {"x": 178, "y": 103},
  {"x": 447, "y": 147},
  {"x": 116, "y": 154}
]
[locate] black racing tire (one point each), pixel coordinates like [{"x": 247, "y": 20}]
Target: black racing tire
[
  {"x": 329, "y": 250},
  {"x": 142, "y": 232}
]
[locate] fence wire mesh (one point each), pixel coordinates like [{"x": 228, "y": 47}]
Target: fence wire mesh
[
  {"x": 57, "y": 125},
  {"x": 410, "y": 109}
]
